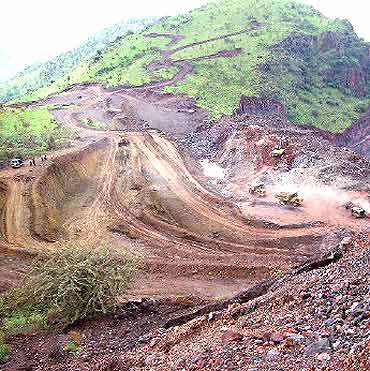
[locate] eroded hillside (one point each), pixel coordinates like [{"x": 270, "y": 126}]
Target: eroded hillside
[
  {"x": 178, "y": 198},
  {"x": 251, "y": 232}
]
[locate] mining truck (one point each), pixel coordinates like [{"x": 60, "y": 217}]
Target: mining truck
[
  {"x": 357, "y": 211},
  {"x": 258, "y": 189},
  {"x": 289, "y": 199}
]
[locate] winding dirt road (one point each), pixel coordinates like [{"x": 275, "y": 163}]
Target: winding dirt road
[{"x": 135, "y": 190}]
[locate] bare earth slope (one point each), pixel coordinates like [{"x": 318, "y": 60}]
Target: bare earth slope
[{"x": 138, "y": 183}]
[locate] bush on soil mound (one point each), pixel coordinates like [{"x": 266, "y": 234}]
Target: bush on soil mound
[
  {"x": 4, "y": 349},
  {"x": 69, "y": 285}
]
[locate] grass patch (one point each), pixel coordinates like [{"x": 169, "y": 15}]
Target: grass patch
[
  {"x": 72, "y": 347},
  {"x": 25, "y": 320},
  {"x": 4, "y": 352},
  {"x": 30, "y": 131},
  {"x": 125, "y": 62}
]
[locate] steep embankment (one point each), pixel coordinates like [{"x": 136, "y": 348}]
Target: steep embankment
[
  {"x": 36, "y": 205},
  {"x": 357, "y": 137},
  {"x": 69, "y": 180},
  {"x": 3, "y": 199}
]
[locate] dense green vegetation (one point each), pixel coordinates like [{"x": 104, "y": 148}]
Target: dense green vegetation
[
  {"x": 30, "y": 131},
  {"x": 218, "y": 84},
  {"x": 54, "y": 72},
  {"x": 311, "y": 80}
]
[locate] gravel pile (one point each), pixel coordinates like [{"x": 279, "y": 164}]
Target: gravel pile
[{"x": 317, "y": 320}]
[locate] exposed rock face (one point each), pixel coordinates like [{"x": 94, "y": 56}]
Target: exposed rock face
[
  {"x": 357, "y": 137},
  {"x": 349, "y": 72},
  {"x": 354, "y": 79},
  {"x": 260, "y": 107},
  {"x": 351, "y": 77},
  {"x": 303, "y": 44}
]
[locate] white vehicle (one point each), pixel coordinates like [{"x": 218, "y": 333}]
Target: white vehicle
[{"x": 16, "y": 163}]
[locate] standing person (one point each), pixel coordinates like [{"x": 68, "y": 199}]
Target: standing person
[
  {"x": 34, "y": 162},
  {"x": 31, "y": 163}
]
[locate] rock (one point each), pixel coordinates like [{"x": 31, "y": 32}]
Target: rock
[
  {"x": 346, "y": 241},
  {"x": 323, "y": 357},
  {"x": 295, "y": 338},
  {"x": 337, "y": 345},
  {"x": 154, "y": 342},
  {"x": 234, "y": 310},
  {"x": 357, "y": 309},
  {"x": 265, "y": 336},
  {"x": 231, "y": 336},
  {"x": 260, "y": 107},
  {"x": 319, "y": 346},
  {"x": 276, "y": 338},
  {"x": 272, "y": 354}
]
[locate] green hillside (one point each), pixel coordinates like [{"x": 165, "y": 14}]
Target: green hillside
[
  {"x": 27, "y": 132},
  {"x": 317, "y": 67},
  {"x": 40, "y": 76}
]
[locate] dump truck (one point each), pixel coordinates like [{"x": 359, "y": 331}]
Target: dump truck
[
  {"x": 357, "y": 211},
  {"x": 277, "y": 152},
  {"x": 123, "y": 142},
  {"x": 258, "y": 189},
  {"x": 289, "y": 199}
]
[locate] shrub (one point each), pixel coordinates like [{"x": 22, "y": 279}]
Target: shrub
[
  {"x": 72, "y": 347},
  {"x": 4, "y": 352},
  {"x": 4, "y": 349},
  {"x": 70, "y": 285}
]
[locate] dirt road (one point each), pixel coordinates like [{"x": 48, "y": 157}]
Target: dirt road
[
  {"x": 133, "y": 188},
  {"x": 135, "y": 191}
]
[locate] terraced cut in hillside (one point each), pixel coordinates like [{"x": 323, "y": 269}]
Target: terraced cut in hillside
[
  {"x": 142, "y": 197},
  {"x": 135, "y": 189},
  {"x": 229, "y": 208},
  {"x": 137, "y": 184},
  {"x": 317, "y": 67}
]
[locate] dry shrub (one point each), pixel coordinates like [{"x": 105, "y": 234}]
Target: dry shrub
[{"x": 76, "y": 284}]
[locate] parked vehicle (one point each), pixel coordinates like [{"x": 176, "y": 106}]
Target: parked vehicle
[{"x": 16, "y": 163}]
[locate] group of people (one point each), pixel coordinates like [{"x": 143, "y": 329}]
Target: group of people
[{"x": 33, "y": 160}]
